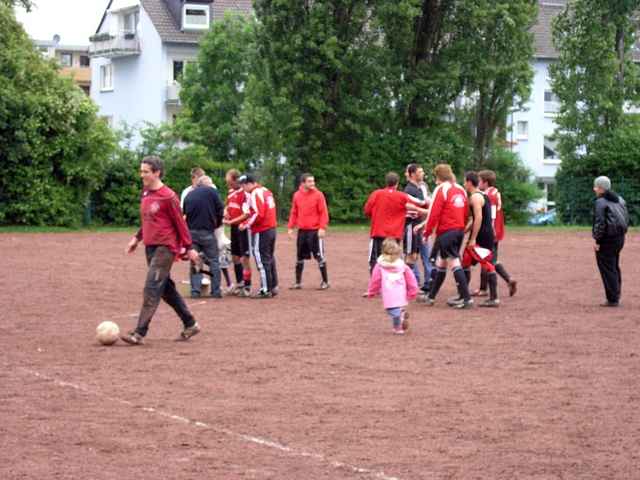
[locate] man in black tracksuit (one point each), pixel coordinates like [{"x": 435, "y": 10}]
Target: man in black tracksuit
[{"x": 610, "y": 224}]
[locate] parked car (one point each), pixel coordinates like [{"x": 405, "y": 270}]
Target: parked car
[{"x": 545, "y": 218}]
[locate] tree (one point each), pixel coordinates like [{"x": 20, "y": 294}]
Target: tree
[
  {"x": 322, "y": 70},
  {"x": 52, "y": 144},
  {"x": 595, "y": 77},
  {"x": 26, "y": 4},
  {"x": 214, "y": 89},
  {"x": 497, "y": 68}
]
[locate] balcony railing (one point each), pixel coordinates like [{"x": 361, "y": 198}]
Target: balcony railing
[
  {"x": 551, "y": 107},
  {"x": 112, "y": 46},
  {"x": 173, "y": 93}
]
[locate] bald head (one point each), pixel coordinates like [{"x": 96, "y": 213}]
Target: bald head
[{"x": 205, "y": 181}]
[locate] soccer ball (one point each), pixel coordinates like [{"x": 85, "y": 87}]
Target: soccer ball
[{"x": 107, "y": 333}]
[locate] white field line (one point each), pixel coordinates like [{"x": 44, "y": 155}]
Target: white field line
[{"x": 256, "y": 440}]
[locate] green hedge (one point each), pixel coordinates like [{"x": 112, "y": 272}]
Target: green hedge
[{"x": 576, "y": 197}]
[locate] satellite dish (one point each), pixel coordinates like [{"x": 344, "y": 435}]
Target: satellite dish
[{"x": 56, "y": 39}]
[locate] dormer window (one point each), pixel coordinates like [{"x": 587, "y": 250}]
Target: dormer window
[{"x": 195, "y": 17}]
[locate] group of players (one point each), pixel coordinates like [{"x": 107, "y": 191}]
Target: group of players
[{"x": 431, "y": 228}]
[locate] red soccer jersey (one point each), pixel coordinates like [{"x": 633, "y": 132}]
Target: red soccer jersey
[
  {"x": 496, "y": 212},
  {"x": 308, "y": 210},
  {"x": 387, "y": 208},
  {"x": 237, "y": 203},
  {"x": 262, "y": 210},
  {"x": 162, "y": 220},
  {"x": 449, "y": 209}
]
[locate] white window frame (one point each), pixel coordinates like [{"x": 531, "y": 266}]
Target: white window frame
[
  {"x": 551, "y": 160},
  {"x": 186, "y": 60},
  {"x": 203, "y": 8},
  {"x": 522, "y": 135},
  {"x": 104, "y": 87},
  {"x": 551, "y": 107},
  {"x": 131, "y": 15}
]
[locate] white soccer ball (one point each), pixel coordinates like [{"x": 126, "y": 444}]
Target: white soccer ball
[{"x": 107, "y": 333}]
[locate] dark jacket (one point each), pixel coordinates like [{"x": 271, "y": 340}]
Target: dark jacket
[
  {"x": 204, "y": 209},
  {"x": 611, "y": 219}
]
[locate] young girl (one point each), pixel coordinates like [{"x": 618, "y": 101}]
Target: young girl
[{"x": 396, "y": 281}]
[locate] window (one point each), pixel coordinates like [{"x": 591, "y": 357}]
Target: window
[
  {"x": 131, "y": 22},
  {"x": 551, "y": 102},
  {"x": 178, "y": 68},
  {"x": 85, "y": 61},
  {"x": 523, "y": 130},
  {"x": 195, "y": 17},
  {"x": 551, "y": 149},
  {"x": 106, "y": 77},
  {"x": 66, "y": 59}
]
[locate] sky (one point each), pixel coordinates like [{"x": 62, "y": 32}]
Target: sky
[{"x": 74, "y": 20}]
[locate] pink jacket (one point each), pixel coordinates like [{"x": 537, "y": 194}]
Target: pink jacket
[{"x": 396, "y": 281}]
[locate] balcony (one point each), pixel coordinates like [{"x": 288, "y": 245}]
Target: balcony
[
  {"x": 106, "y": 45},
  {"x": 173, "y": 94}
]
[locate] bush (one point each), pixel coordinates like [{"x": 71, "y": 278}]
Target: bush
[
  {"x": 617, "y": 156},
  {"x": 514, "y": 184},
  {"x": 117, "y": 200},
  {"x": 52, "y": 144},
  {"x": 576, "y": 197}
]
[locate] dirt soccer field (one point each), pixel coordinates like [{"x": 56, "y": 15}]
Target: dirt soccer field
[{"x": 313, "y": 385}]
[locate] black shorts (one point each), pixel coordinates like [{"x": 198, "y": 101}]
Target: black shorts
[
  {"x": 375, "y": 249},
  {"x": 411, "y": 241},
  {"x": 309, "y": 244},
  {"x": 433, "y": 254},
  {"x": 450, "y": 243},
  {"x": 240, "y": 244}
]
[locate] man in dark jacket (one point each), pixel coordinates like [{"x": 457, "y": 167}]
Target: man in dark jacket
[
  {"x": 204, "y": 211},
  {"x": 610, "y": 223}
]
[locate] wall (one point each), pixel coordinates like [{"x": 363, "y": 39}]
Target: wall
[
  {"x": 139, "y": 81},
  {"x": 541, "y": 124}
]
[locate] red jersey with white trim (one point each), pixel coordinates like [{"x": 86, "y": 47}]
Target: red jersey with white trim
[
  {"x": 162, "y": 220},
  {"x": 262, "y": 210},
  {"x": 497, "y": 214},
  {"x": 387, "y": 208},
  {"x": 308, "y": 210},
  {"x": 237, "y": 203},
  {"x": 449, "y": 209}
]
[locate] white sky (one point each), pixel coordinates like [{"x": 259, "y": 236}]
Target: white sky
[{"x": 74, "y": 20}]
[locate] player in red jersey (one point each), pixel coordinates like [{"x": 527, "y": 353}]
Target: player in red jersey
[
  {"x": 488, "y": 186},
  {"x": 165, "y": 236},
  {"x": 236, "y": 212},
  {"x": 310, "y": 215},
  {"x": 387, "y": 208},
  {"x": 262, "y": 222},
  {"x": 448, "y": 217}
]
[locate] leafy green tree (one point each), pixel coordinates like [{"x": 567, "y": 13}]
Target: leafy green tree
[
  {"x": 52, "y": 144},
  {"x": 213, "y": 89},
  {"x": 26, "y": 4},
  {"x": 595, "y": 76},
  {"x": 597, "y": 80},
  {"x": 322, "y": 70},
  {"x": 497, "y": 69}
]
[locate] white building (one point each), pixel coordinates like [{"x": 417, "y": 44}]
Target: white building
[
  {"x": 139, "y": 51},
  {"x": 532, "y": 128}
]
